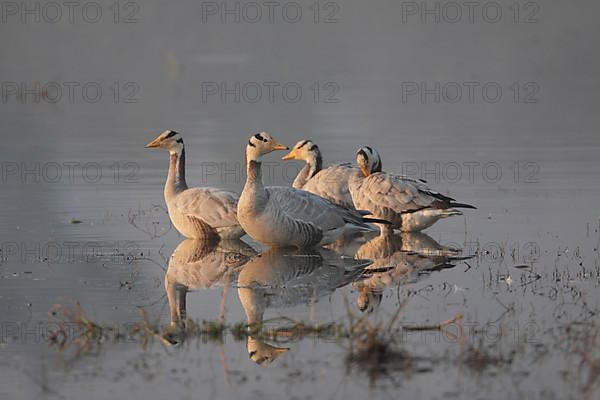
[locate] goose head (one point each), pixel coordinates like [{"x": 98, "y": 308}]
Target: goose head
[
  {"x": 304, "y": 150},
  {"x": 168, "y": 140},
  {"x": 368, "y": 160},
  {"x": 260, "y": 144}
]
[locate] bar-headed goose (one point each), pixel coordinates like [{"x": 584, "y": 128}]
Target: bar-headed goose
[
  {"x": 406, "y": 202},
  {"x": 283, "y": 216},
  {"x": 197, "y": 213},
  {"x": 330, "y": 182}
]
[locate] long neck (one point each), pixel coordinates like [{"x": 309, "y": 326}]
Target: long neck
[
  {"x": 254, "y": 176},
  {"x": 312, "y": 167},
  {"x": 254, "y": 196},
  {"x": 176, "y": 178}
]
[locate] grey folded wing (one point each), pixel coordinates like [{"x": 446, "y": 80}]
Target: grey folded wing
[
  {"x": 308, "y": 207},
  {"x": 381, "y": 192},
  {"x": 216, "y": 207},
  {"x": 423, "y": 188},
  {"x": 331, "y": 183}
]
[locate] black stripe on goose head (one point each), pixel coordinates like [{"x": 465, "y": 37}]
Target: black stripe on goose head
[
  {"x": 171, "y": 134},
  {"x": 259, "y": 136},
  {"x": 303, "y": 144}
]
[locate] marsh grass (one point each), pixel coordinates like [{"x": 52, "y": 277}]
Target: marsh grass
[
  {"x": 479, "y": 357},
  {"x": 75, "y": 334},
  {"x": 372, "y": 348},
  {"x": 377, "y": 348},
  {"x": 360, "y": 333}
]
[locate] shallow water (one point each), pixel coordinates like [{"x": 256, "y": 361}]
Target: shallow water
[{"x": 528, "y": 297}]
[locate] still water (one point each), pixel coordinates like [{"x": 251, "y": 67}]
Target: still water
[{"x": 500, "y": 114}]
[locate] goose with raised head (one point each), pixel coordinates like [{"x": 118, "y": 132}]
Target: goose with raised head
[
  {"x": 284, "y": 216},
  {"x": 408, "y": 203},
  {"x": 201, "y": 212},
  {"x": 330, "y": 182}
]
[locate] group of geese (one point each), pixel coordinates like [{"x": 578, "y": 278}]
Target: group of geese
[{"x": 324, "y": 204}]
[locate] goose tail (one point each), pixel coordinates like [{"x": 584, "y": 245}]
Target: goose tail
[{"x": 462, "y": 205}]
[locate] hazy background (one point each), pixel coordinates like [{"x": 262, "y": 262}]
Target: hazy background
[{"x": 169, "y": 54}]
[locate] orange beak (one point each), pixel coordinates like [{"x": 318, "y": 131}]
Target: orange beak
[
  {"x": 363, "y": 169},
  {"x": 290, "y": 156},
  {"x": 154, "y": 143},
  {"x": 279, "y": 146}
]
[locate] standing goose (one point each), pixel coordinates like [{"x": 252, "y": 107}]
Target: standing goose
[
  {"x": 406, "y": 202},
  {"x": 330, "y": 182},
  {"x": 197, "y": 213},
  {"x": 283, "y": 216}
]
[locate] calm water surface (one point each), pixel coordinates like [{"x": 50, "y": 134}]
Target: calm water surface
[{"x": 98, "y": 235}]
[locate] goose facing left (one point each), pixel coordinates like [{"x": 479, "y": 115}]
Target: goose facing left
[{"x": 197, "y": 213}]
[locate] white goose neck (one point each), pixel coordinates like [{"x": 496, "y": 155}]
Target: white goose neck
[
  {"x": 313, "y": 166},
  {"x": 254, "y": 173},
  {"x": 176, "y": 177}
]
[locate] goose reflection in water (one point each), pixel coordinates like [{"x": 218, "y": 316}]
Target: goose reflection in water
[
  {"x": 399, "y": 259},
  {"x": 285, "y": 278},
  {"x": 196, "y": 264}
]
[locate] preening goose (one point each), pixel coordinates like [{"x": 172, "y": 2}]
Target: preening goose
[
  {"x": 330, "y": 182},
  {"x": 283, "y": 216},
  {"x": 406, "y": 202},
  {"x": 197, "y": 213}
]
